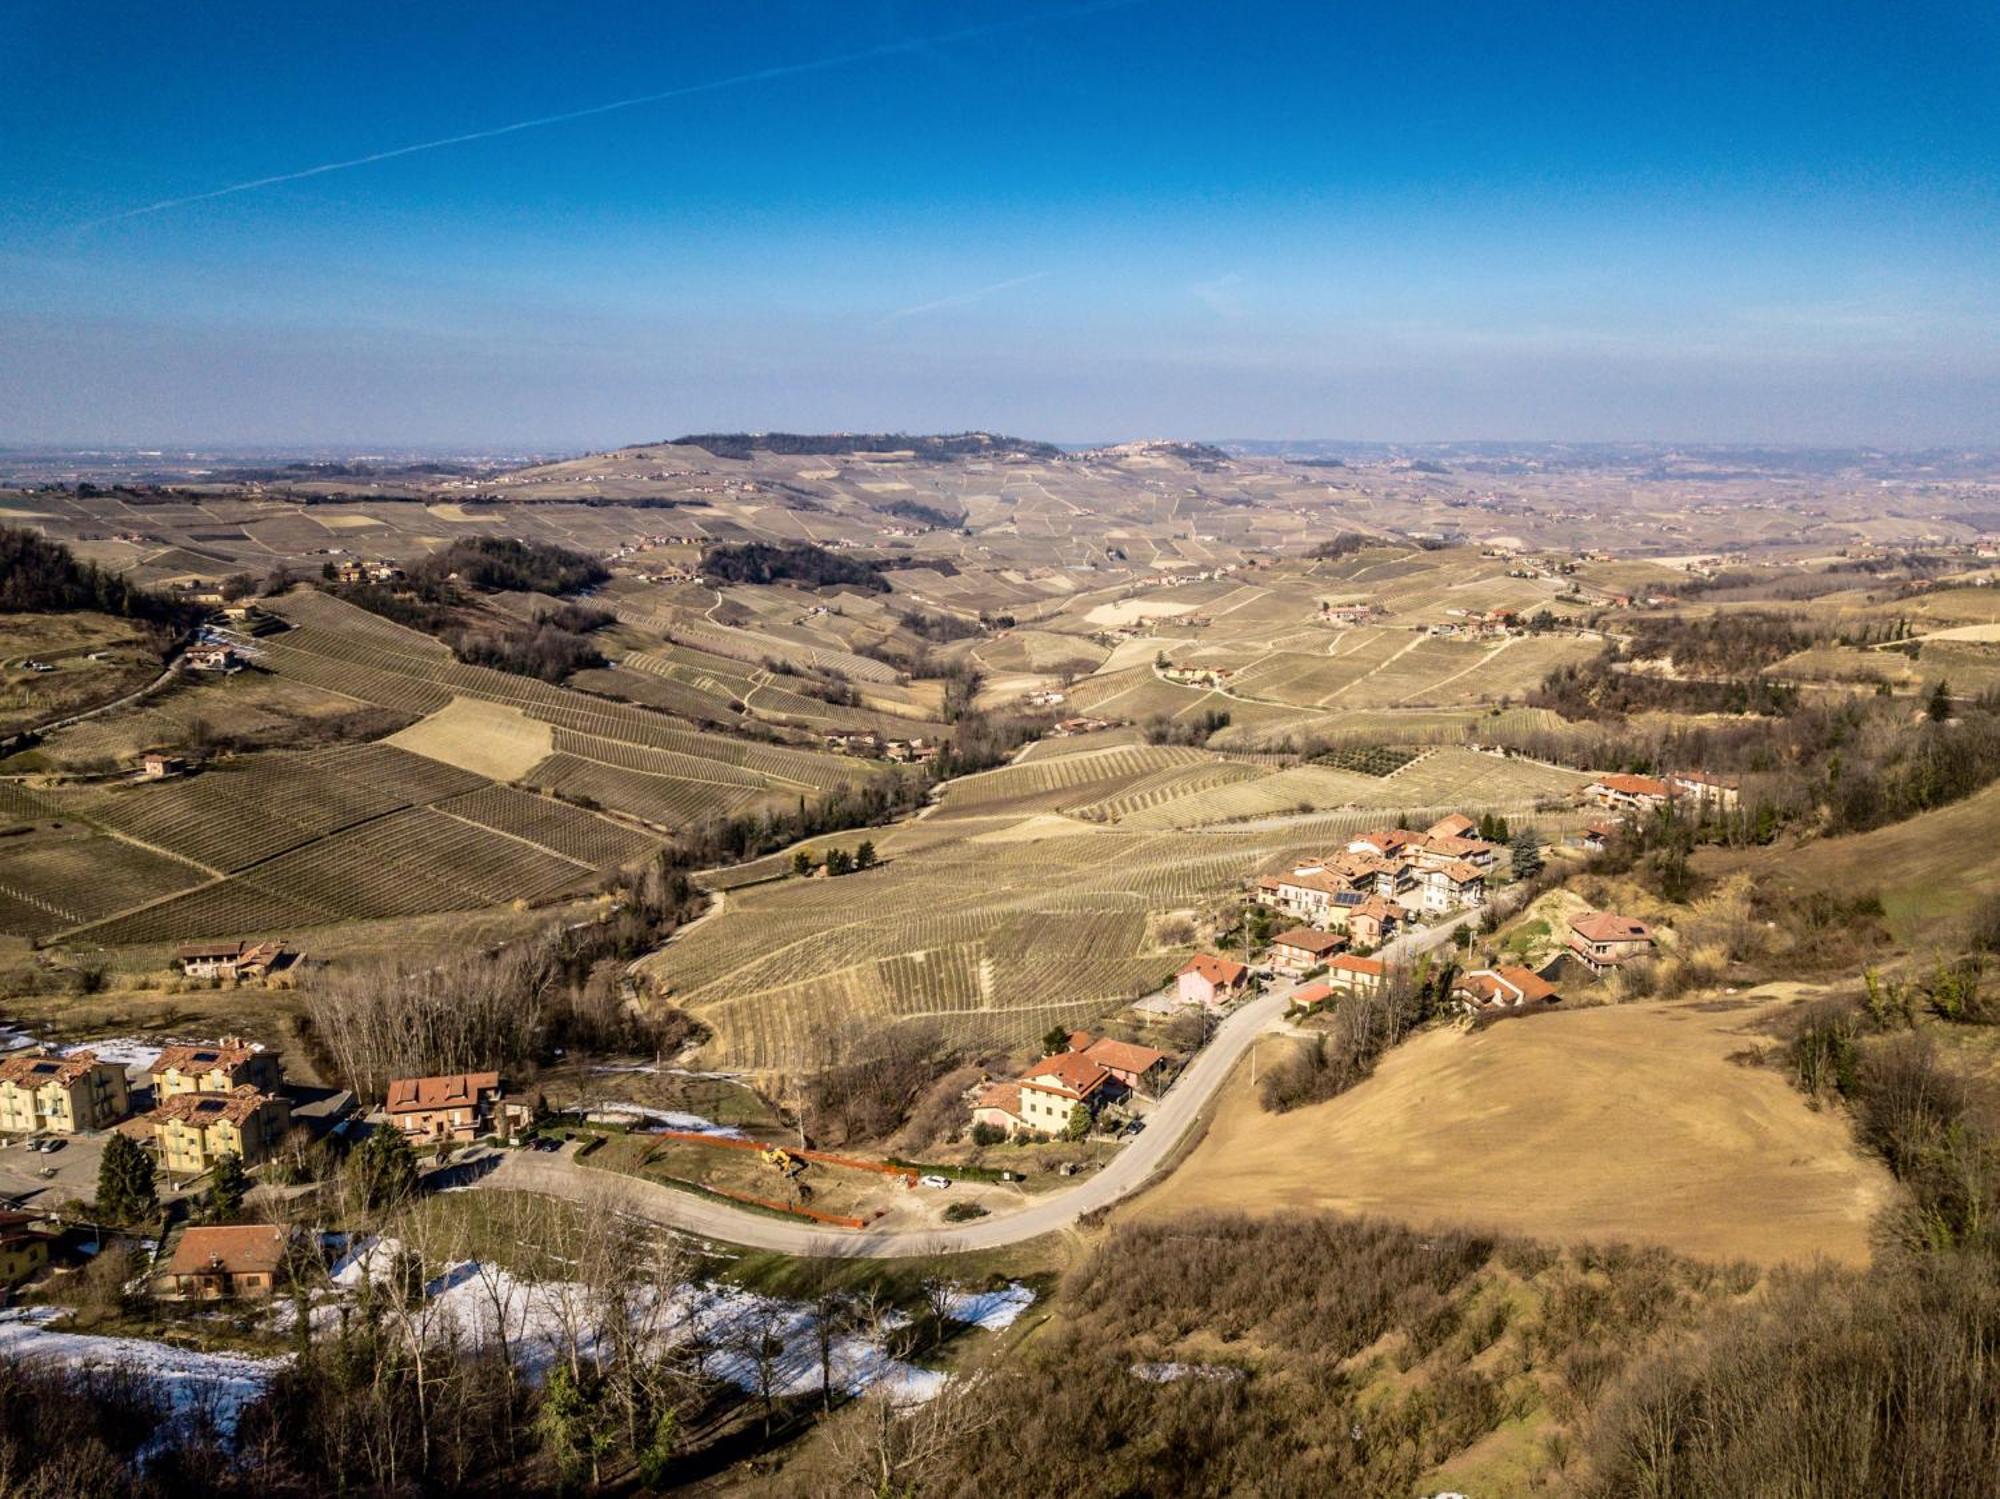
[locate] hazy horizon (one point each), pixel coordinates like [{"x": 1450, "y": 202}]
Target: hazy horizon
[{"x": 540, "y": 228}]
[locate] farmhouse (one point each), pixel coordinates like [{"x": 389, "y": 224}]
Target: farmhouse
[
  {"x": 462, "y": 1106},
  {"x": 1601, "y": 941},
  {"x": 1138, "y": 1069},
  {"x": 1348, "y": 974},
  {"x": 1303, "y": 947},
  {"x": 1492, "y": 990},
  {"x": 210, "y": 656},
  {"x": 1624, "y": 793},
  {"x": 220, "y": 1067},
  {"x": 1211, "y": 981},
  {"x": 62, "y": 1095},
  {"x": 157, "y": 767},
  {"x": 195, "y": 1130},
  {"x": 234, "y": 960},
  {"x": 240, "y": 1262},
  {"x": 1597, "y": 835}
]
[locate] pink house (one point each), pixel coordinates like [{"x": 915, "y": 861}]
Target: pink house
[{"x": 1212, "y": 981}]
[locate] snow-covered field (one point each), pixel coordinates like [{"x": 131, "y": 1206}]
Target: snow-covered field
[
  {"x": 544, "y": 1321},
  {"x": 193, "y": 1385},
  {"x": 636, "y": 1113}
]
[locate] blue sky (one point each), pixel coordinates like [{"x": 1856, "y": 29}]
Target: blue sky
[{"x": 1397, "y": 221}]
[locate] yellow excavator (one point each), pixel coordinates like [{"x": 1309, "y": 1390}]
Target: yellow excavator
[{"x": 780, "y": 1159}]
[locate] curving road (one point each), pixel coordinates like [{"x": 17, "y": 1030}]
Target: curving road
[{"x": 1134, "y": 1165}]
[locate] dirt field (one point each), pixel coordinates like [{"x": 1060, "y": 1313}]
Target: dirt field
[
  {"x": 1615, "y": 1123},
  {"x": 489, "y": 739}
]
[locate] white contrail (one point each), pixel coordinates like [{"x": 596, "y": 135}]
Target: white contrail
[
  {"x": 960, "y": 299},
  {"x": 735, "y": 80}
]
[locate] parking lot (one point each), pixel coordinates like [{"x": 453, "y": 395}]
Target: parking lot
[{"x": 72, "y": 1170}]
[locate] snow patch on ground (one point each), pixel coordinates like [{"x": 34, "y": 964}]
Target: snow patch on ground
[
  {"x": 193, "y": 1385},
  {"x": 990, "y": 1311},
  {"x": 694, "y": 1124}
]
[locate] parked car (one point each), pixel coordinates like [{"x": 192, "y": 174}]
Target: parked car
[{"x": 932, "y": 1179}]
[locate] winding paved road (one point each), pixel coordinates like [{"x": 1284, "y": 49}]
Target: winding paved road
[{"x": 1134, "y": 1165}]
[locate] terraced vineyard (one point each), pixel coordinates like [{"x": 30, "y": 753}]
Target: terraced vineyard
[
  {"x": 665, "y": 801},
  {"x": 1036, "y": 776},
  {"x": 552, "y": 825}
]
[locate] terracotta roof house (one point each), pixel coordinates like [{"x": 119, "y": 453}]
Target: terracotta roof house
[
  {"x": 1458, "y": 825},
  {"x": 1629, "y": 793},
  {"x": 195, "y": 1130},
  {"x": 234, "y": 960},
  {"x": 1352, "y": 975},
  {"x": 1601, "y": 940},
  {"x": 1210, "y": 980},
  {"x": 62, "y": 1095},
  {"x": 1486, "y": 990},
  {"x": 216, "y": 1264},
  {"x": 458, "y": 1106},
  {"x": 1303, "y": 947},
  {"x": 1042, "y": 1099},
  {"x": 214, "y": 1067},
  {"x": 1132, "y": 1065},
  {"x": 1373, "y": 921}
]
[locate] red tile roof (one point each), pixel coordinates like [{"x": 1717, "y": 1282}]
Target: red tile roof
[
  {"x": 1308, "y": 939},
  {"x": 1634, "y": 785},
  {"x": 1348, "y": 963},
  {"x": 1313, "y": 994},
  {"x": 1603, "y": 926},
  {"x": 242, "y": 1249},
  {"x": 1124, "y": 1056},
  {"x": 1069, "y": 1073},
  {"x": 227, "y": 1054},
  {"x": 204, "y": 1109},
  {"x": 38, "y": 1068},
  {"x": 1490, "y": 984},
  {"x": 1224, "y": 971},
  {"x": 458, "y": 1090},
  {"x": 1458, "y": 825}
]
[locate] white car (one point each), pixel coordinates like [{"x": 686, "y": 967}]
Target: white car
[{"x": 934, "y": 1180}]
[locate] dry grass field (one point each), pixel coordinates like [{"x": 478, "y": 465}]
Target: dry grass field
[
  {"x": 495, "y": 740},
  {"x": 1626, "y": 1122}
]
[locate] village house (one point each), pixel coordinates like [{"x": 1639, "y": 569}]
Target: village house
[
  {"x": 217, "y": 1067},
  {"x": 1212, "y": 981},
  {"x": 461, "y": 1106},
  {"x": 234, "y": 961},
  {"x": 1042, "y": 1099},
  {"x": 1450, "y": 887},
  {"x": 61, "y": 1095},
  {"x": 1302, "y": 948},
  {"x": 1373, "y": 922},
  {"x": 1491, "y": 990},
  {"x": 1623, "y": 793},
  {"x": 1457, "y": 825},
  {"x": 1347, "y": 974},
  {"x": 1138, "y": 1069},
  {"x": 1597, "y": 836},
  {"x": 1601, "y": 940},
  {"x": 239, "y": 1262},
  {"x": 24, "y": 1247},
  {"x": 195, "y": 1130},
  {"x": 1719, "y": 792},
  {"x": 1306, "y": 894}
]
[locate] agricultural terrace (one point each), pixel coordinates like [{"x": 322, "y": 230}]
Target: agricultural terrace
[
  {"x": 277, "y": 843},
  {"x": 1013, "y": 907}
]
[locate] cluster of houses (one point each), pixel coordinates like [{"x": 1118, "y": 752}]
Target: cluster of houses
[
  {"x": 1637, "y": 794},
  {"x": 1348, "y": 615},
  {"x": 1197, "y": 676},
  {"x": 1381, "y": 881},
  {"x": 211, "y": 1100},
  {"x": 1477, "y": 624},
  {"x": 1095, "y": 1072},
  {"x": 917, "y": 751},
  {"x": 211, "y": 655},
  {"x": 208, "y": 1101},
  {"x": 364, "y": 570}
]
